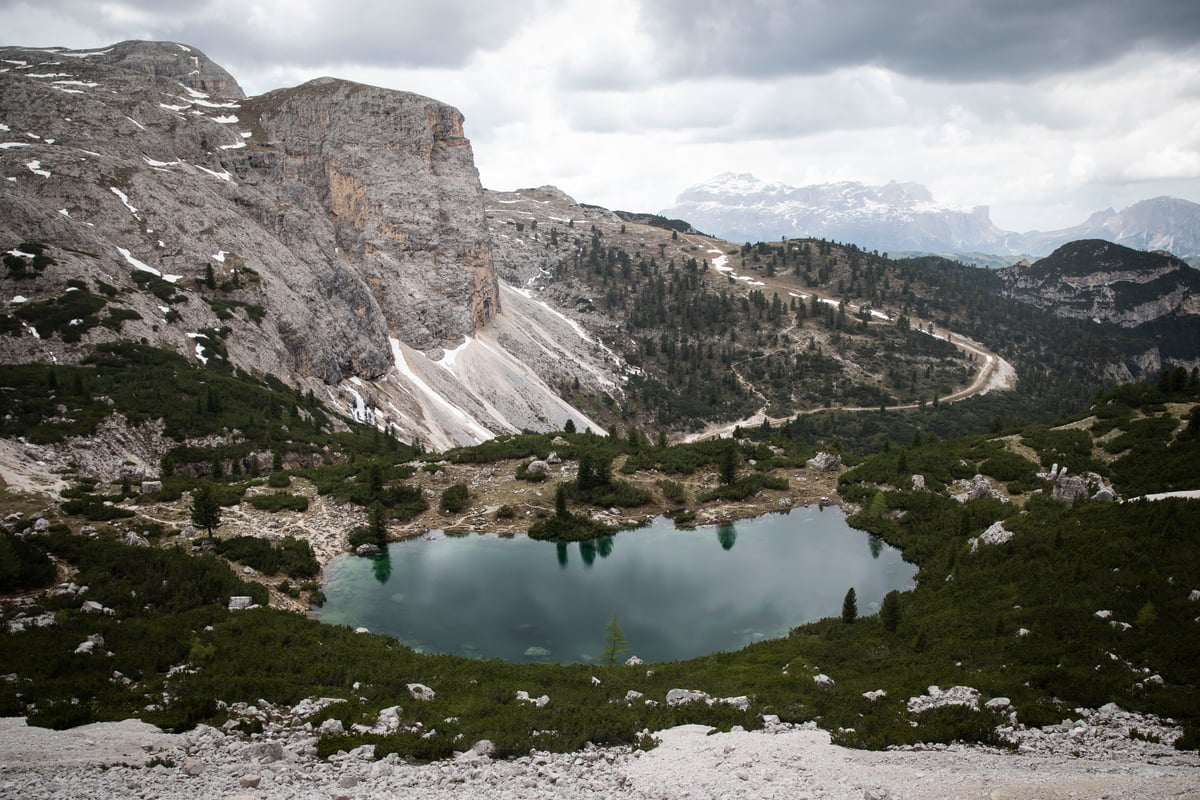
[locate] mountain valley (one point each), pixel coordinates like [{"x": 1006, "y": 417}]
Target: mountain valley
[{"x": 244, "y": 336}]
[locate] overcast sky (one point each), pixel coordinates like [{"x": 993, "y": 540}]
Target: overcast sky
[{"x": 1044, "y": 110}]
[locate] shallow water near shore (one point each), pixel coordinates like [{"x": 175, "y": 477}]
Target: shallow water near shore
[{"x": 676, "y": 593}]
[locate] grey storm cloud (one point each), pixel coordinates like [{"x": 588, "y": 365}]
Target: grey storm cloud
[
  {"x": 944, "y": 40},
  {"x": 400, "y": 33}
]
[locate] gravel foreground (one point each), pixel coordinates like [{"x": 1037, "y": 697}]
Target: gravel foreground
[{"x": 1092, "y": 756}]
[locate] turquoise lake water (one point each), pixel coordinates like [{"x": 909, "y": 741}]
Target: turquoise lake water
[{"x": 676, "y": 593}]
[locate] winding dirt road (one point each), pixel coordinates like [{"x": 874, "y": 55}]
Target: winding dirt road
[{"x": 993, "y": 372}]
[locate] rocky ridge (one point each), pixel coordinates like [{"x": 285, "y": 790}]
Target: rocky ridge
[
  {"x": 1104, "y": 282},
  {"x": 332, "y": 234}
]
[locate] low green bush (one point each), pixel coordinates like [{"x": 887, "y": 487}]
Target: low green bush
[
  {"x": 455, "y": 497},
  {"x": 294, "y": 557},
  {"x": 279, "y": 501}
]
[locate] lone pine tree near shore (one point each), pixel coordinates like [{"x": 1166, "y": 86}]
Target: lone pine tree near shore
[{"x": 614, "y": 641}]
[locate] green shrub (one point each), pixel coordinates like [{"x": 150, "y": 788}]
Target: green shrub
[
  {"x": 70, "y": 315},
  {"x": 673, "y": 491},
  {"x": 455, "y": 497},
  {"x": 745, "y": 487},
  {"x": 567, "y": 528},
  {"x": 23, "y": 565},
  {"x": 94, "y": 509},
  {"x": 1008, "y": 466},
  {"x": 292, "y": 556},
  {"x": 279, "y": 501}
]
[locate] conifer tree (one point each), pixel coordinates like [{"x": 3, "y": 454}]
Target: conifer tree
[
  {"x": 889, "y": 612},
  {"x": 614, "y": 641},
  {"x": 850, "y": 607},
  {"x": 206, "y": 509}
]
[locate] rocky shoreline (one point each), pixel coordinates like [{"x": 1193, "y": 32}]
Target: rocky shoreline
[{"x": 1093, "y": 755}]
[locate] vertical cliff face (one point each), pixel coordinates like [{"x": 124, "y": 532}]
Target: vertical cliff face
[{"x": 394, "y": 178}]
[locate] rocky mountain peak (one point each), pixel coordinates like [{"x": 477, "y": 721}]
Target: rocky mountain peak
[
  {"x": 331, "y": 233},
  {"x": 180, "y": 62}
]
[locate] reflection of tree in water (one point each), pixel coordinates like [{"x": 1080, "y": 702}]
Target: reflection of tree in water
[
  {"x": 876, "y": 545},
  {"x": 604, "y": 545},
  {"x": 726, "y": 535},
  {"x": 587, "y": 550},
  {"x": 381, "y": 565},
  {"x": 561, "y": 549}
]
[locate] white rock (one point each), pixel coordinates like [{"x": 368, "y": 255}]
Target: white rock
[
  {"x": 679, "y": 697},
  {"x": 995, "y": 534},
  {"x": 935, "y": 697},
  {"x": 331, "y": 727},
  {"x": 741, "y": 702},
  {"x": 824, "y": 461},
  {"x": 388, "y": 721},
  {"x": 420, "y": 691}
]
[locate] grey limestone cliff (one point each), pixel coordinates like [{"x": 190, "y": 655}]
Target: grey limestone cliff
[{"x": 327, "y": 233}]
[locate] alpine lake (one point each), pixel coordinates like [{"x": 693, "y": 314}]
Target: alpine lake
[{"x": 676, "y": 593}]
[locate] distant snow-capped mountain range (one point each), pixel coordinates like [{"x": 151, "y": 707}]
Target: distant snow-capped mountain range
[{"x": 903, "y": 217}]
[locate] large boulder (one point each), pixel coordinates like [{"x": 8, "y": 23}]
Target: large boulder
[
  {"x": 1070, "y": 489},
  {"x": 420, "y": 691},
  {"x": 995, "y": 534},
  {"x": 825, "y": 462},
  {"x": 981, "y": 488},
  {"x": 681, "y": 697}
]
